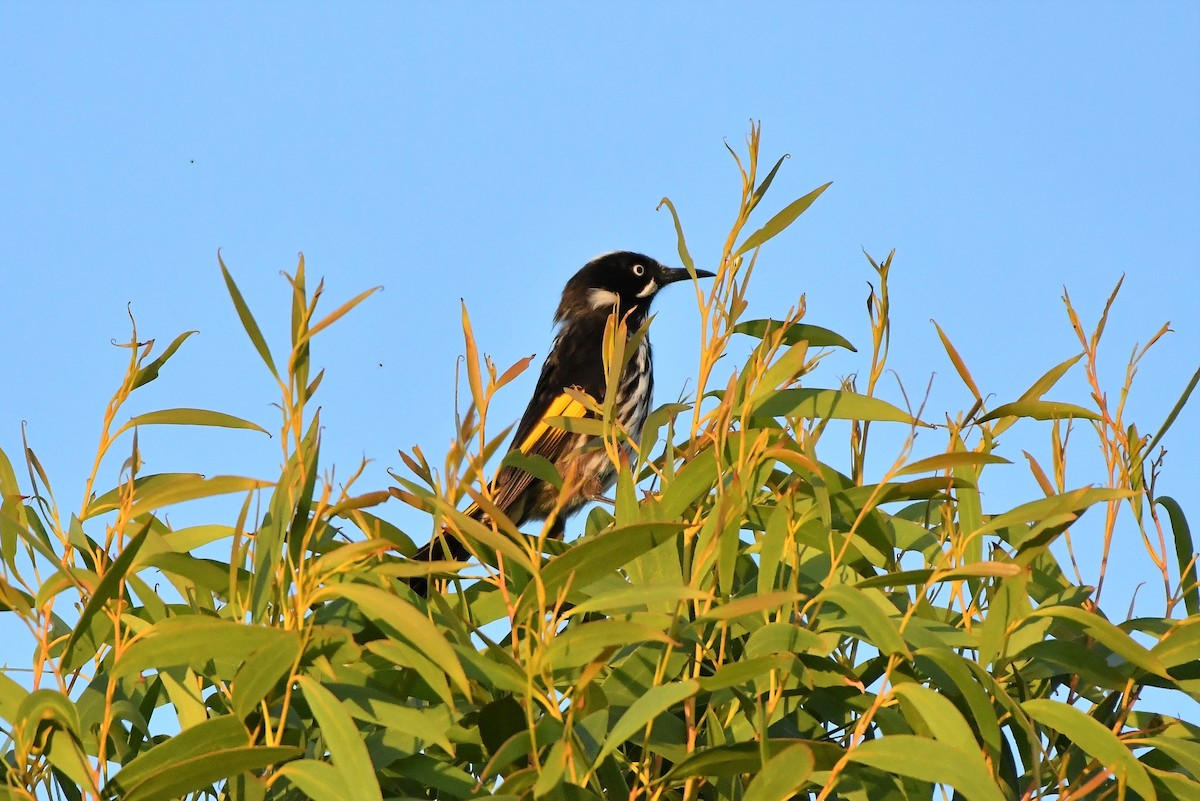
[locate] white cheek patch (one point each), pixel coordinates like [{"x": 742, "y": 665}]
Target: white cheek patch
[
  {"x": 650, "y": 289},
  {"x": 599, "y": 298}
]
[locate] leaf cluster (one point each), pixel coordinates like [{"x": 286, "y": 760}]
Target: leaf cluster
[{"x": 745, "y": 620}]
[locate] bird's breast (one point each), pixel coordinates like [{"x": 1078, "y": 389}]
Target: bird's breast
[{"x": 636, "y": 390}]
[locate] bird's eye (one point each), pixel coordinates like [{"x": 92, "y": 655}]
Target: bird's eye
[{"x": 638, "y": 269}]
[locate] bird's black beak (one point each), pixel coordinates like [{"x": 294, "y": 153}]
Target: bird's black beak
[{"x": 672, "y": 274}]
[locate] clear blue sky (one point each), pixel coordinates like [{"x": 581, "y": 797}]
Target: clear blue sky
[{"x": 487, "y": 151}]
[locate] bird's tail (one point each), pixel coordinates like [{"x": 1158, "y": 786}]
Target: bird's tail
[{"x": 444, "y": 547}]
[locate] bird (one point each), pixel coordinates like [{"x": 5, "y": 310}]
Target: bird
[{"x": 620, "y": 282}]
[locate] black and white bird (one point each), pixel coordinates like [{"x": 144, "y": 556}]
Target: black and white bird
[{"x": 623, "y": 283}]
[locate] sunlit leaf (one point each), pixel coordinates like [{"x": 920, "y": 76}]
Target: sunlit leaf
[
  {"x": 190, "y": 417},
  {"x": 343, "y": 739},
  {"x": 654, "y": 702},
  {"x": 1094, "y": 739},
  {"x": 1040, "y": 410},
  {"x": 781, "y": 220},
  {"x": 814, "y": 335},
  {"x": 929, "y": 761},
  {"x": 829, "y": 404}
]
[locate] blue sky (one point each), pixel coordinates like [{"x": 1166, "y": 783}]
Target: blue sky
[{"x": 485, "y": 152}]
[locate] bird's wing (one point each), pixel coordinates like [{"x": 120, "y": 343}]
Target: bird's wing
[
  {"x": 569, "y": 364},
  {"x": 573, "y": 361},
  {"x": 536, "y": 437}
]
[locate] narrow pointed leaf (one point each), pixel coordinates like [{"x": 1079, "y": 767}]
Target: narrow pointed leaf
[
  {"x": 780, "y": 221},
  {"x": 946, "y": 461},
  {"x": 248, "y": 322},
  {"x": 343, "y": 739},
  {"x": 831, "y": 404},
  {"x": 1185, "y": 553},
  {"x": 1094, "y": 739},
  {"x": 406, "y": 621},
  {"x": 1040, "y": 410},
  {"x": 782, "y": 775},
  {"x": 814, "y": 335},
  {"x": 650, "y": 705},
  {"x": 110, "y": 584},
  {"x": 150, "y": 372},
  {"x": 929, "y": 761},
  {"x": 191, "y": 417}
]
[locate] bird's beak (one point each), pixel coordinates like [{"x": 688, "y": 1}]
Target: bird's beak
[{"x": 672, "y": 274}]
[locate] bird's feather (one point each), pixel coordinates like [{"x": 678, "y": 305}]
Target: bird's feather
[{"x": 542, "y": 439}]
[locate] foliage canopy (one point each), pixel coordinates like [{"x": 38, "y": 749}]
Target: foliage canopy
[{"x": 744, "y": 622}]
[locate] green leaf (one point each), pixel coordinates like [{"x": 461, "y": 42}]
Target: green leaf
[
  {"x": 44, "y": 706},
  {"x": 535, "y": 465},
  {"x": 150, "y": 372},
  {"x": 164, "y": 489},
  {"x": 66, "y": 755},
  {"x": 1047, "y": 659},
  {"x": 945, "y": 461},
  {"x": 1185, "y": 753},
  {"x": 316, "y": 780},
  {"x": 11, "y": 697},
  {"x": 1174, "y": 785},
  {"x": 1047, "y": 381},
  {"x": 952, "y": 676},
  {"x": 596, "y": 557},
  {"x": 762, "y": 188},
  {"x": 418, "y": 727},
  {"x": 1180, "y": 645},
  {"x": 640, "y": 597},
  {"x": 654, "y": 423},
  {"x": 782, "y": 775},
  {"x": 780, "y": 221},
  {"x": 192, "y": 760},
  {"x": 1072, "y": 503},
  {"x": 405, "y": 655},
  {"x": 176, "y": 641},
  {"x": 581, "y": 644},
  {"x": 654, "y": 702},
  {"x": 814, "y": 335},
  {"x": 1008, "y": 604},
  {"x": 199, "y": 770},
  {"x": 243, "y": 311},
  {"x": 190, "y": 417},
  {"x": 921, "y": 576},
  {"x": 1107, "y": 635},
  {"x": 110, "y": 584},
  {"x": 786, "y": 638},
  {"x": 938, "y": 717},
  {"x": 1185, "y": 553},
  {"x": 694, "y": 479},
  {"x": 829, "y": 404},
  {"x": 732, "y": 759},
  {"x": 406, "y": 622},
  {"x": 1094, "y": 739},
  {"x": 264, "y": 669},
  {"x": 1179, "y": 404},
  {"x": 783, "y": 371},
  {"x": 746, "y": 673},
  {"x": 1040, "y": 410},
  {"x": 929, "y": 761},
  {"x": 861, "y": 614},
  {"x": 751, "y": 605},
  {"x": 959, "y": 365},
  {"x": 342, "y": 738},
  {"x": 684, "y": 256}
]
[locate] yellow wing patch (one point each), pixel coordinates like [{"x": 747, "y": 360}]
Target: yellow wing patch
[
  {"x": 562, "y": 406},
  {"x": 541, "y": 440}
]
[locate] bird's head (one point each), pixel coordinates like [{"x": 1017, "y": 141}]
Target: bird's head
[{"x": 628, "y": 281}]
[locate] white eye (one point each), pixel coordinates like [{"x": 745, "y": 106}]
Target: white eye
[{"x": 638, "y": 269}]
